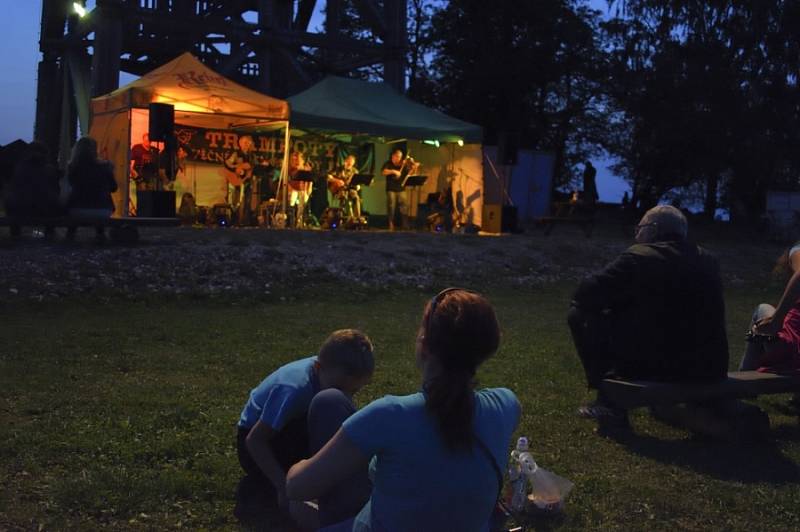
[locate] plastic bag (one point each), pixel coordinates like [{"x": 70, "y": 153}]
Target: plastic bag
[{"x": 548, "y": 491}]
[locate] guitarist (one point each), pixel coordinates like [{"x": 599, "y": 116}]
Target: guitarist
[
  {"x": 144, "y": 164},
  {"x": 339, "y": 185},
  {"x": 239, "y": 165},
  {"x": 395, "y": 170}
]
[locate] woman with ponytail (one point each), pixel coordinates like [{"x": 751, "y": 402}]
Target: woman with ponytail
[{"x": 434, "y": 456}]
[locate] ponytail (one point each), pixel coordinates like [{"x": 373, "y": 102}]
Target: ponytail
[
  {"x": 460, "y": 329},
  {"x": 449, "y": 399}
]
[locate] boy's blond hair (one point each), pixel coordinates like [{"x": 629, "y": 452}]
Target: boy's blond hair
[{"x": 349, "y": 350}]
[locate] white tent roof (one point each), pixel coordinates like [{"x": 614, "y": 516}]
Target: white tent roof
[{"x": 198, "y": 93}]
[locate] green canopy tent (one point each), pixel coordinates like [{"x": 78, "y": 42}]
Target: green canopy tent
[
  {"x": 349, "y": 105},
  {"x": 448, "y": 148}
]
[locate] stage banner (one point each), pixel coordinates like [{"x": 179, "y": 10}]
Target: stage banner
[{"x": 214, "y": 146}]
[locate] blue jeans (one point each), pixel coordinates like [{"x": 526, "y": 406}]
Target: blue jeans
[{"x": 328, "y": 410}]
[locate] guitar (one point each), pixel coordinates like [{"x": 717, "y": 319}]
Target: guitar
[
  {"x": 239, "y": 174},
  {"x": 337, "y": 184}
]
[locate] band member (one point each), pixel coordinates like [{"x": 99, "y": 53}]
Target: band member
[
  {"x": 443, "y": 213},
  {"x": 144, "y": 164},
  {"x": 395, "y": 170},
  {"x": 240, "y": 164},
  {"x": 181, "y": 158},
  {"x": 299, "y": 191},
  {"x": 183, "y": 181},
  {"x": 347, "y": 195}
]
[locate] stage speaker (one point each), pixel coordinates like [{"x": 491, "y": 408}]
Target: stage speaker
[
  {"x": 491, "y": 219},
  {"x": 155, "y": 203},
  {"x": 508, "y": 223},
  {"x": 162, "y": 121}
]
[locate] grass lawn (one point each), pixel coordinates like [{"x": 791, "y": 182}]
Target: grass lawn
[{"x": 121, "y": 414}]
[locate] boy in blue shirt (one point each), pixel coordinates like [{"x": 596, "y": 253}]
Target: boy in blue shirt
[{"x": 272, "y": 429}]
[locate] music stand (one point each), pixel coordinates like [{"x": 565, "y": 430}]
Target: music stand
[
  {"x": 415, "y": 180},
  {"x": 304, "y": 175},
  {"x": 361, "y": 179}
]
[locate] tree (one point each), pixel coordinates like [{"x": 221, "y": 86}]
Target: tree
[
  {"x": 420, "y": 48},
  {"x": 702, "y": 89},
  {"x": 530, "y": 70},
  {"x": 418, "y": 53}
]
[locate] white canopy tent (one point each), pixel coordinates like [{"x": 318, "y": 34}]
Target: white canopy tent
[{"x": 201, "y": 98}]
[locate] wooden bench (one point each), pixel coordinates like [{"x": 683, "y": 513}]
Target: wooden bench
[
  {"x": 122, "y": 229},
  {"x": 710, "y": 408}
]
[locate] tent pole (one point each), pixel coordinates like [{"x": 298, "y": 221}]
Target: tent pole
[
  {"x": 285, "y": 168},
  {"x": 283, "y": 180}
]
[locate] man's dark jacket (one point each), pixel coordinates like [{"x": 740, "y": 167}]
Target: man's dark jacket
[{"x": 666, "y": 313}]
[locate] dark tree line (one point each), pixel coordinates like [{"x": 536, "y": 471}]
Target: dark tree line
[
  {"x": 531, "y": 73},
  {"x": 695, "y": 99},
  {"x": 707, "y": 96}
]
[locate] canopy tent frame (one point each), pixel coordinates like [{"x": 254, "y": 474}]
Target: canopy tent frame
[
  {"x": 195, "y": 91},
  {"x": 338, "y": 107}
]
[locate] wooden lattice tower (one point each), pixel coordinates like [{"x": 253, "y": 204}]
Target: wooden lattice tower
[{"x": 264, "y": 44}]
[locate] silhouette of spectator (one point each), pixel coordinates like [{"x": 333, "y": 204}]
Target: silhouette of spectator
[
  {"x": 590, "y": 195},
  {"x": 33, "y": 190},
  {"x": 655, "y": 313},
  {"x": 92, "y": 183},
  {"x": 10, "y": 154},
  {"x": 188, "y": 209}
]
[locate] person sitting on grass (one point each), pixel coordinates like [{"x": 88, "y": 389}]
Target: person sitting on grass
[
  {"x": 774, "y": 335},
  {"x": 272, "y": 429},
  {"x": 92, "y": 183},
  {"x": 655, "y": 313},
  {"x": 435, "y": 455}
]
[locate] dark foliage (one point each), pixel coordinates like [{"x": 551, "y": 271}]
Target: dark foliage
[
  {"x": 531, "y": 71},
  {"x": 707, "y": 95}
]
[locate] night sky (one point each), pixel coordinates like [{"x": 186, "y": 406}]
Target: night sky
[{"x": 19, "y": 27}]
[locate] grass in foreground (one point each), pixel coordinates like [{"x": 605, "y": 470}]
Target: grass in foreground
[{"x": 122, "y": 415}]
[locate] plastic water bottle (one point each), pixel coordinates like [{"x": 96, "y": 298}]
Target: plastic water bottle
[{"x": 520, "y": 468}]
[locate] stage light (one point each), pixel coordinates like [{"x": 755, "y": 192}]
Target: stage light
[
  {"x": 431, "y": 142},
  {"x": 79, "y": 9},
  {"x": 460, "y": 143}
]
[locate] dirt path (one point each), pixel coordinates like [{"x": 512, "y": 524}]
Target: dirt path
[{"x": 266, "y": 263}]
